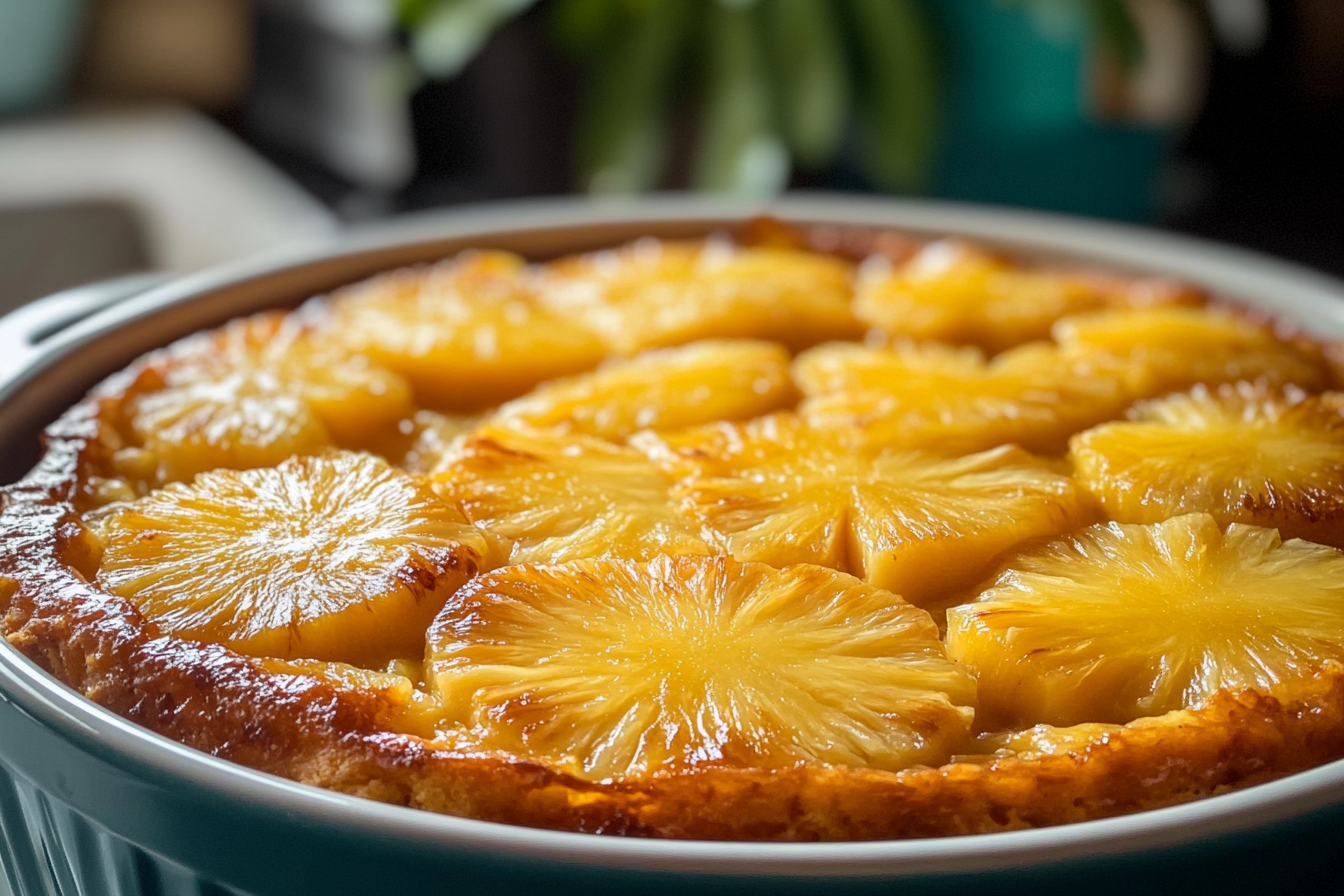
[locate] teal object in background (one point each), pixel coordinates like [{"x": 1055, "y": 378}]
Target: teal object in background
[
  {"x": 1016, "y": 125},
  {"x": 37, "y": 43}
]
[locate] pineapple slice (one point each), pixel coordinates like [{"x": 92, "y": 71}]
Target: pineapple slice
[
  {"x": 353, "y": 397},
  {"x": 556, "y": 497},
  {"x": 775, "y": 491},
  {"x": 336, "y": 558},
  {"x": 467, "y": 333},
  {"x": 666, "y": 389},
  {"x": 238, "y": 420},
  {"x": 1161, "y": 350},
  {"x": 1123, "y": 621},
  {"x": 251, "y": 394},
  {"x": 1242, "y": 453},
  {"x": 610, "y": 669},
  {"x": 955, "y": 292},
  {"x": 953, "y": 400},
  {"x": 653, "y": 293}
]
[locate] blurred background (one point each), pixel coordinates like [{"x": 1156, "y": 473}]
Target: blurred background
[{"x": 176, "y": 134}]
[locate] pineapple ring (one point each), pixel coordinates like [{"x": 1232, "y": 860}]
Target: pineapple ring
[
  {"x": 255, "y": 392},
  {"x": 714, "y": 379},
  {"x": 954, "y": 292},
  {"x": 337, "y": 558},
  {"x": 1166, "y": 349},
  {"x": 556, "y": 498},
  {"x": 1122, "y": 621},
  {"x": 350, "y": 394},
  {"x": 651, "y": 293},
  {"x": 237, "y": 420},
  {"x": 468, "y": 333},
  {"x": 1271, "y": 458},
  {"x": 615, "y": 669},
  {"x": 775, "y": 491},
  {"x": 953, "y": 400}
]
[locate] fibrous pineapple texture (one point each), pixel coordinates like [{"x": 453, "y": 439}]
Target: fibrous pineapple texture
[
  {"x": 777, "y": 491},
  {"x": 715, "y": 379},
  {"x": 611, "y": 669},
  {"x": 955, "y": 292},
  {"x": 556, "y": 498},
  {"x": 653, "y": 293},
  {"x": 1242, "y": 453},
  {"x": 468, "y": 333},
  {"x": 252, "y": 394},
  {"x": 338, "y": 557},
  {"x": 1167, "y": 349},
  {"x": 954, "y": 400},
  {"x": 1122, "y": 621}
]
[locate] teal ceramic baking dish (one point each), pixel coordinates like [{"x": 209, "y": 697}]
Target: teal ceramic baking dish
[{"x": 92, "y": 804}]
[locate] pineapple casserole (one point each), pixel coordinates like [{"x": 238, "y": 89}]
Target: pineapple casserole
[{"x": 755, "y": 537}]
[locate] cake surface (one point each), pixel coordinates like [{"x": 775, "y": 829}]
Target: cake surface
[{"x": 720, "y": 539}]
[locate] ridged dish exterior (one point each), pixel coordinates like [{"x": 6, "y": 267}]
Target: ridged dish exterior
[{"x": 52, "y": 849}]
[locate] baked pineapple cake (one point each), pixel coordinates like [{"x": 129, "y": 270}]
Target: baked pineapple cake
[{"x": 789, "y": 534}]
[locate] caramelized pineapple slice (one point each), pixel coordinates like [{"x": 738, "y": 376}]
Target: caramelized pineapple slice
[
  {"x": 468, "y": 333},
  {"x": 610, "y": 669},
  {"x": 1241, "y": 453},
  {"x": 773, "y": 490},
  {"x": 556, "y": 497},
  {"x": 653, "y": 293},
  {"x": 666, "y": 389},
  {"x": 239, "y": 420},
  {"x": 1123, "y": 621},
  {"x": 953, "y": 400},
  {"x": 1161, "y": 350},
  {"x": 352, "y": 396},
  {"x": 336, "y": 558},
  {"x": 951, "y": 291},
  {"x": 251, "y": 394}
]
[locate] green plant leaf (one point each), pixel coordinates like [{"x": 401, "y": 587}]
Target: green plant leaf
[
  {"x": 739, "y": 150},
  {"x": 622, "y": 128},
  {"x": 898, "y": 106},
  {"x": 807, "y": 66}
]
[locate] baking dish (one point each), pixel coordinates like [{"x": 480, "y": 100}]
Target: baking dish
[{"x": 89, "y": 803}]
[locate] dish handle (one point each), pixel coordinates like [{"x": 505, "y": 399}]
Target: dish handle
[{"x": 23, "y": 330}]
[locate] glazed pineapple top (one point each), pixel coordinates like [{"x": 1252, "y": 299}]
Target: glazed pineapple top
[{"x": 682, "y": 506}]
